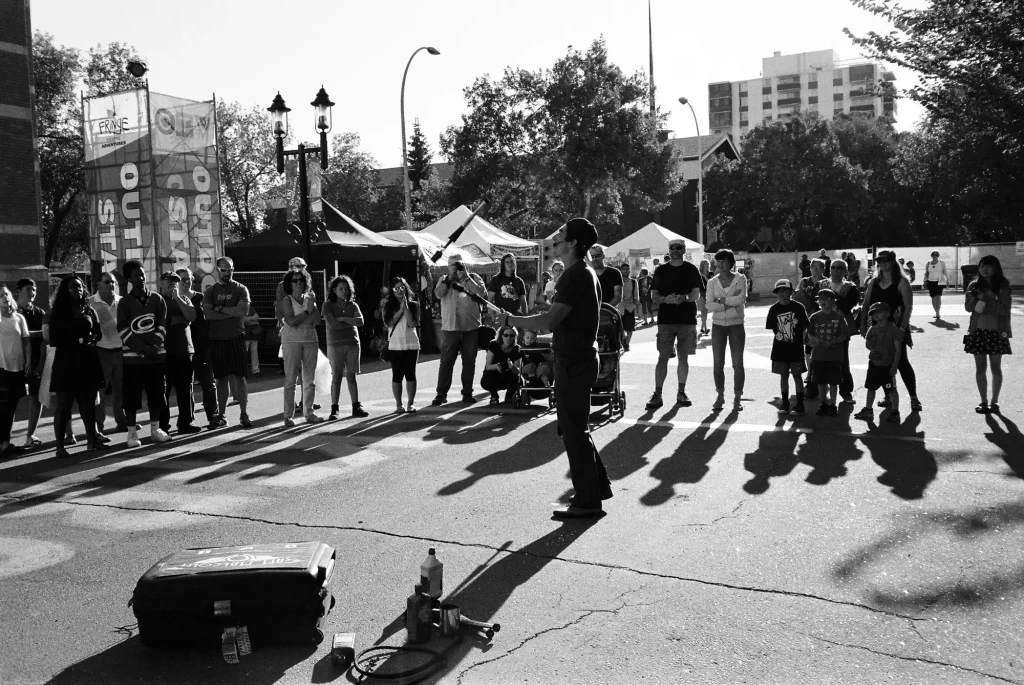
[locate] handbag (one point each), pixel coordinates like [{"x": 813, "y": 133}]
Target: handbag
[{"x": 380, "y": 344}]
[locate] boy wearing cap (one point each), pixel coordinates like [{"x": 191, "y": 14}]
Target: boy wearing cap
[
  {"x": 826, "y": 331},
  {"x": 883, "y": 341},
  {"x": 788, "y": 320}
]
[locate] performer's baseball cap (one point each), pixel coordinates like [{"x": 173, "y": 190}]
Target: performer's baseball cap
[
  {"x": 782, "y": 283},
  {"x": 879, "y": 306},
  {"x": 170, "y": 276},
  {"x": 827, "y": 294}
]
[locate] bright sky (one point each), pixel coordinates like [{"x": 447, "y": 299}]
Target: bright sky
[{"x": 247, "y": 50}]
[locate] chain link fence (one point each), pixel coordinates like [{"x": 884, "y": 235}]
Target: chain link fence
[{"x": 263, "y": 293}]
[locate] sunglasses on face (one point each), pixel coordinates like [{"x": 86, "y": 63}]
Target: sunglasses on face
[
  {"x": 508, "y": 335},
  {"x": 883, "y": 260},
  {"x": 224, "y": 271}
]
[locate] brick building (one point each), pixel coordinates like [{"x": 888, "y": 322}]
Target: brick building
[{"x": 21, "y": 235}]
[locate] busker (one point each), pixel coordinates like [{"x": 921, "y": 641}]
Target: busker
[
  {"x": 142, "y": 322},
  {"x": 675, "y": 291},
  {"x": 574, "y": 316},
  {"x": 460, "y": 321},
  {"x": 200, "y": 332},
  {"x": 226, "y": 304},
  {"x": 104, "y": 303}
]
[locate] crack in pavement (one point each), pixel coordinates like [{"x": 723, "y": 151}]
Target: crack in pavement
[
  {"x": 482, "y": 546},
  {"x": 730, "y": 515},
  {"x": 914, "y": 658}
]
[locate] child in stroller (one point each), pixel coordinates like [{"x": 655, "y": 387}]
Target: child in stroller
[{"x": 538, "y": 365}]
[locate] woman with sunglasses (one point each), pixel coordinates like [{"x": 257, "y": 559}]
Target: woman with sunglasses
[
  {"x": 300, "y": 344},
  {"x": 402, "y": 317},
  {"x": 891, "y": 286},
  {"x": 501, "y": 372}
]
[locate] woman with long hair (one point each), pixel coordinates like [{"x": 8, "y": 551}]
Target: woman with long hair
[
  {"x": 15, "y": 359},
  {"x": 300, "y": 344},
  {"x": 501, "y": 371},
  {"x": 891, "y": 286},
  {"x": 988, "y": 300},
  {"x": 557, "y": 267},
  {"x": 702, "y": 303},
  {"x": 847, "y": 297},
  {"x": 343, "y": 318},
  {"x": 77, "y": 373},
  {"x": 506, "y": 289},
  {"x": 726, "y": 299},
  {"x": 402, "y": 317}
]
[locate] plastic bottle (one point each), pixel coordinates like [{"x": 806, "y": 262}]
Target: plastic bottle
[
  {"x": 432, "y": 575},
  {"x": 417, "y": 616}
]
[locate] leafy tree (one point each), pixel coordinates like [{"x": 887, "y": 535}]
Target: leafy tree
[
  {"x": 794, "y": 180},
  {"x": 351, "y": 184},
  {"x": 969, "y": 57},
  {"x": 248, "y": 167},
  {"x": 420, "y": 170},
  {"x": 572, "y": 140},
  {"x": 106, "y": 70}
]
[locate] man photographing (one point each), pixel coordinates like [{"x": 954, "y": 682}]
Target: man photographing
[
  {"x": 460, "y": 319},
  {"x": 574, "y": 316}
]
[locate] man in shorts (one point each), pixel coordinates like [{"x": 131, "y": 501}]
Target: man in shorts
[
  {"x": 675, "y": 289},
  {"x": 225, "y": 304}
]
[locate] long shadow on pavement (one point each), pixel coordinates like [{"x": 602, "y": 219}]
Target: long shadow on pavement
[
  {"x": 689, "y": 462},
  {"x": 908, "y": 464},
  {"x": 774, "y": 457},
  {"x": 1008, "y": 438},
  {"x": 827, "y": 449}
]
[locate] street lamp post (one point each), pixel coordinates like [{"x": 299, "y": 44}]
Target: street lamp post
[
  {"x": 700, "y": 178},
  {"x": 405, "y": 155},
  {"x": 279, "y": 123}
]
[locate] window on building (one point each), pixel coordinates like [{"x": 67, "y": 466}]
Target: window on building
[
  {"x": 862, "y": 72},
  {"x": 721, "y": 119},
  {"x": 744, "y": 108},
  {"x": 767, "y": 118},
  {"x": 837, "y": 81},
  {"x": 766, "y": 82},
  {"x": 766, "y": 90},
  {"x": 812, "y": 85},
  {"x": 837, "y": 112},
  {"x": 812, "y": 100},
  {"x": 837, "y": 97},
  {"x": 766, "y": 105},
  {"x": 789, "y": 80},
  {"x": 744, "y": 100},
  {"x": 744, "y": 123}
]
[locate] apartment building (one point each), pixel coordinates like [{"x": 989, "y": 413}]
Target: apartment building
[{"x": 809, "y": 81}]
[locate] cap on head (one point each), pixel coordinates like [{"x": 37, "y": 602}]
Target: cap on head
[
  {"x": 879, "y": 307},
  {"x": 782, "y": 283},
  {"x": 170, "y": 276},
  {"x": 826, "y": 294},
  {"x": 297, "y": 261}
]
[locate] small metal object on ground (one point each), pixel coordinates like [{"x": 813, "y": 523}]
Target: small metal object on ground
[{"x": 449, "y": 619}]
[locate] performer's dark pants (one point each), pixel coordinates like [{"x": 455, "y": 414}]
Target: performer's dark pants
[{"x": 574, "y": 379}]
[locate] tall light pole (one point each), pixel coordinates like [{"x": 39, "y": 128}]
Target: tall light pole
[
  {"x": 405, "y": 155},
  {"x": 279, "y": 127},
  {"x": 700, "y": 178}
]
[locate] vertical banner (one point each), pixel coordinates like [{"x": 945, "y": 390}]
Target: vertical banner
[
  {"x": 186, "y": 179},
  {"x": 118, "y": 175}
]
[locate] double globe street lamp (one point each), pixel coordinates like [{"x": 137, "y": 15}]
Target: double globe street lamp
[
  {"x": 700, "y": 178},
  {"x": 405, "y": 155},
  {"x": 322, "y": 123}
]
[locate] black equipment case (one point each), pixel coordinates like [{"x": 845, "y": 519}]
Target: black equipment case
[{"x": 274, "y": 593}]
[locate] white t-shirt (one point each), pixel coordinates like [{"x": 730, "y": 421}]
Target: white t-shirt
[
  {"x": 13, "y": 334},
  {"x": 404, "y": 335}
]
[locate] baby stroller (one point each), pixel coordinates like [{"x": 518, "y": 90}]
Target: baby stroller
[
  {"x": 532, "y": 388},
  {"x": 607, "y": 388}
]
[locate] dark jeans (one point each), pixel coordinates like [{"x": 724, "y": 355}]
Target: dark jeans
[
  {"x": 846, "y": 383},
  {"x": 204, "y": 375},
  {"x": 86, "y": 409},
  {"x": 454, "y": 343},
  {"x": 493, "y": 381},
  {"x": 736, "y": 337},
  {"x": 12, "y": 387},
  {"x": 907, "y": 372},
  {"x": 139, "y": 377},
  {"x": 574, "y": 379},
  {"x": 178, "y": 377},
  {"x": 403, "y": 365}
]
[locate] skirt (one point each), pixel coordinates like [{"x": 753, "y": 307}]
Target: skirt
[{"x": 986, "y": 341}]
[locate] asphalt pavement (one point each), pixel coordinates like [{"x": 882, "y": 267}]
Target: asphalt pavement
[{"x": 740, "y": 546}]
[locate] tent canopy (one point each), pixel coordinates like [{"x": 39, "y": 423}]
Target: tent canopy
[
  {"x": 656, "y": 239},
  {"x": 480, "y": 232},
  {"x": 428, "y": 245},
  {"x": 344, "y": 240}
]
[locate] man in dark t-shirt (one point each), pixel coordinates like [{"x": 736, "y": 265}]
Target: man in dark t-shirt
[
  {"x": 610, "y": 279},
  {"x": 574, "y": 317},
  {"x": 675, "y": 288}
]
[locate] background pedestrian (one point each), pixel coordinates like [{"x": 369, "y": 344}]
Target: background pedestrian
[{"x": 988, "y": 300}]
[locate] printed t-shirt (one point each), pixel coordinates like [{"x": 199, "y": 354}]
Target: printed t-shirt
[
  {"x": 677, "y": 280},
  {"x": 227, "y": 295},
  {"x": 503, "y": 358},
  {"x": 881, "y": 344},
  {"x": 826, "y": 328},
  {"x": 608, "y": 280},
  {"x": 507, "y": 292},
  {"x": 347, "y": 333},
  {"x": 788, "y": 321},
  {"x": 576, "y": 334}
]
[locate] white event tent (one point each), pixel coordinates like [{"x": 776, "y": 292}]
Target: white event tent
[
  {"x": 654, "y": 238},
  {"x": 429, "y": 244},
  {"x": 480, "y": 232}
]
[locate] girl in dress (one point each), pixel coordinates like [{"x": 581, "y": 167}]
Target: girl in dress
[{"x": 987, "y": 298}]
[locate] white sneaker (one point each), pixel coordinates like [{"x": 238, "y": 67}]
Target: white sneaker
[
  {"x": 157, "y": 434},
  {"x": 133, "y": 438}
]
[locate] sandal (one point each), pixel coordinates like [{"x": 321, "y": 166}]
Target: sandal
[
  {"x": 993, "y": 408},
  {"x": 411, "y": 409},
  {"x": 983, "y": 408}
]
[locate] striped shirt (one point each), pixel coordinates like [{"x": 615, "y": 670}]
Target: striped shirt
[{"x": 142, "y": 321}]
